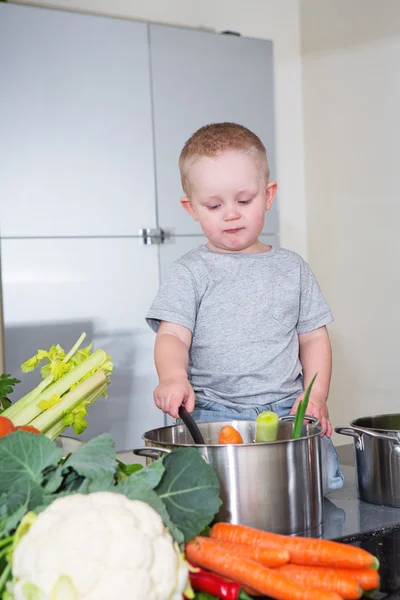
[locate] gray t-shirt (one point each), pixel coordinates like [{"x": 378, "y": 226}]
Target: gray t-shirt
[{"x": 245, "y": 312}]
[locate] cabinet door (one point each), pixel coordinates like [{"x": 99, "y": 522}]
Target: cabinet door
[
  {"x": 199, "y": 78},
  {"x": 53, "y": 290},
  {"x": 76, "y": 149}
]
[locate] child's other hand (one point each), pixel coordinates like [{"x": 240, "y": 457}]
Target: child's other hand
[
  {"x": 317, "y": 407},
  {"x": 171, "y": 393}
]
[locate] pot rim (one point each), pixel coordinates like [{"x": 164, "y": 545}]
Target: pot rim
[
  {"x": 354, "y": 422},
  {"x": 222, "y": 423}
]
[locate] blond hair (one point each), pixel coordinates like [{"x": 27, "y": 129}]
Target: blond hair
[{"x": 215, "y": 138}]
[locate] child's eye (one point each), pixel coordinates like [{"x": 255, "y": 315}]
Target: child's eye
[
  {"x": 244, "y": 201},
  {"x": 213, "y": 207}
]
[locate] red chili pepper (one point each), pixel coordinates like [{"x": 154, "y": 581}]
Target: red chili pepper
[{"x": 204, "y": 581}]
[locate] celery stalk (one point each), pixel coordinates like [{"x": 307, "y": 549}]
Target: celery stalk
[
  {"x": 16, "y": 407},
  {"x": 30, "y": 411},
  {"x": 58, "y": 428},
  {"x": 74, "y": 348},
  {"x": 52, "y": 415}
]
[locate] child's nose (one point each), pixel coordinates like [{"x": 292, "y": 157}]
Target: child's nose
[{"x": 231, "y": 214}]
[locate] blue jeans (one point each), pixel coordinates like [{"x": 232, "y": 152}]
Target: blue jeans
[{"x": 332, "y": 478}]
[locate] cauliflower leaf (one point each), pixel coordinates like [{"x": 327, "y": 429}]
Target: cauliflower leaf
[{"x": 190, "y": 491}]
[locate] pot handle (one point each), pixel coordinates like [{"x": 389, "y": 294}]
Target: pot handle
[
  {"x": 348, "y": 431},
  {"x": 290, "y": 418},
  {"x": 378, "y": 435},
  {"x": 148, "y": 452}
]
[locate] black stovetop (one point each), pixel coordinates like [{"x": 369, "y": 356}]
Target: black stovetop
[{"x": 385, "y": 545}]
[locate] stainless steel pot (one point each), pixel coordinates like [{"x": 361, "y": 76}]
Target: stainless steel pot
[
  {"x": 276, "y": 486},
  {"x": 377, "y": 451}
]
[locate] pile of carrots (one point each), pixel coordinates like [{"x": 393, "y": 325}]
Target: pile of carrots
[{"x": 284, "y": 567}]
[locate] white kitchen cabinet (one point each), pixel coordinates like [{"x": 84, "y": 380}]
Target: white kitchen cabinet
[
  {"x": 198, "y": 78},
  {"x": 53, "y": 290},
  {"x": 76, "y": 140},
  {"x": 94, "y": 112}
]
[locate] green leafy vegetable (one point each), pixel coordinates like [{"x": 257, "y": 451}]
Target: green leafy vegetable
[
  {"x": 126, "y": 470},
  {"x": 7, "y": 384},
  {"x": 181, "y": 487},
  {"x": 71, "y": 383},
  {"x": 189, "y": 491},
  {"x": 93, "y": 458},
  {"x": 301, "y": 411},
  {"x": 23, "y": 458}
]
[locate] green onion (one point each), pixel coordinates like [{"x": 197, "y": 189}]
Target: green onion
[{"x": 301, "y": 411}]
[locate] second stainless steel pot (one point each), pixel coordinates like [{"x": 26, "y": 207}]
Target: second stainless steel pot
[
  {"x": 377, "y": 451},
  {"x": 276, "y": 486}
]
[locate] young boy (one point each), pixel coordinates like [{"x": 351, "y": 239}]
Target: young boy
[{"x": 241, "y": 326}]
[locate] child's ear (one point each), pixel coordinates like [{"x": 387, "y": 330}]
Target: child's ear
[
  {"x": 188, "y": 206},
  {"x": 272, "y": 187}
]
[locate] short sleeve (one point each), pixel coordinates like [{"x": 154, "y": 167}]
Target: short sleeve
[
  {"x": 176, "y": 301},
  {"x": 314, "y": 310}
]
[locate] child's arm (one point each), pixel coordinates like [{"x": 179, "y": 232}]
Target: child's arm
[
  {"x": 171, "y": 355},
  {"x": 316, "y": 357}
]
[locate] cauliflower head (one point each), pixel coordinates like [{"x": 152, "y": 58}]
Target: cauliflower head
[{"x": 97, "y": 547}]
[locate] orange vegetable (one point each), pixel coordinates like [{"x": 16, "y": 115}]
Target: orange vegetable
[
  {"x": 229, "y": 435},
  {"x": 269, "y": 557},
  {"x": 303, "y": 551},
  {"x": 347, "y": 586},
  {"x": 6, "y": 426},
  {"x": 367, "y": 578},
  {"x": 28, "y": 428},
  {"x": 211, "y": 555}
]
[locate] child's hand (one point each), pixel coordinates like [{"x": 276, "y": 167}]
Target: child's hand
[
  {"x": 317, "y": 407},
  {"x": 171, "y": 393}
]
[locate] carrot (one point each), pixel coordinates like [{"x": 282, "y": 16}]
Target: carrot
[
  {"x": 229, "y": 435},
  {"x": 303, "y": 551},
  {"x": 269, "y": 557},
  {"x": 211, "y": 555},
  {"x": 367, "y": 578},
  {"x": 320, "y": 578}
]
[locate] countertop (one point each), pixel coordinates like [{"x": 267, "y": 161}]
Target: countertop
[
  {"x": 374, "y": 528},
  {"x": 345, "y": 515}
]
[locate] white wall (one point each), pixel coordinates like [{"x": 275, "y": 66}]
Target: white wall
[
  {"x": 351, "y": 83},
  {"x": 277, "y": 20}
]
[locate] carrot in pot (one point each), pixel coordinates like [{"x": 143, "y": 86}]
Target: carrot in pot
[
  {"x": 347, "y": 586},
  {"x": 269, "y": 557},
  {"x": 229, "y": 435},
  {"x": 303, "y": 551},
  {"x": 209, "y": 554}
]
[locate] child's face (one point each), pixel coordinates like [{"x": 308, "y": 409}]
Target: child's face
[{"x": 229, "y": 197}]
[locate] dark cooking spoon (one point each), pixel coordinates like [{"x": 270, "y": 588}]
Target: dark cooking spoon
[{"x": 191, "y": 425}]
